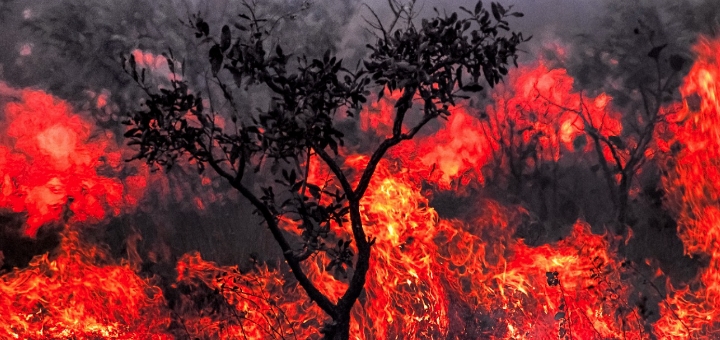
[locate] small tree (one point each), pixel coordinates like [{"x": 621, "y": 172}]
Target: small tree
[
  {"x": 629, "y": 152},
  {"x": 639, "y": 58},
  {"x": 431, "y": 64}
]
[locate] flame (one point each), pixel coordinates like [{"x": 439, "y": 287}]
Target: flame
[
  {"x": 430, "y": 277},
  {"x": 692, "y": 311},
  {"x": 404, "y": 273},
  {"x": 570, "y": 288},
  {"x": 80, "y": 293},
  {"x": 458, "y": 151},
  {"x": 50, "y": 159},
  {"x": 541, "y": 106},
  {"x": 536, "y": 116},
  {"x": 253, "y": 305},
  {"x": 157, "y": 65},
  {"x": 428, "y": 272}
]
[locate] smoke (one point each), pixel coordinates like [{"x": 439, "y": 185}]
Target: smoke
[{"x": 603, "y": 45}]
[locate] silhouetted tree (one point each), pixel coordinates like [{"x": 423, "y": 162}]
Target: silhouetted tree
[{"x": 431, "y": 63}]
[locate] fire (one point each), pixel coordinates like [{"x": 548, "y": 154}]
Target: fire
[
  {"x": 50, "y": 161},
  {"x": 459, "y": 151},
  {"x": 80, "y": 293},
  {"x": 429, "y": 272},
  {"x": 254, "y": 305},
  {"x": 692, "y": 311},
  {"x": 410, "y": 289},
  {"x": 570, "y": 288},
  {"x": 535, "y": 117},
  {"x": 404, "y": 275},
  {"x": 540, "y": 105},
  {"x": 430, "y": 277},
  {"x": 157, "y": 65}
]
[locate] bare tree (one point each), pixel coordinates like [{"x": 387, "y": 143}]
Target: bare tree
[{"x": 628, "y": 152}]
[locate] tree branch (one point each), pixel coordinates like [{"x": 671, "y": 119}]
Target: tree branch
[
  {"x": 325, "y": 304},
  {"x": 344, "y": 183},
  {"x": 402, "y": 107},
  {"x": 357, "y": 283}
]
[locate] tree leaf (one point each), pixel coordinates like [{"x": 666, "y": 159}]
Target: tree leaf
[
  {"x": 133, "y": 67},
  {"x": 333, "y": 145},
  {"x": 655, "y": 52},
  {"x": 473, "y": 87},
  {"x": 216, "y": 59},
  {"x": 131, "y": 133},
  {"x": 225, "y": 38},
  {"x": 617, "y": 141},
  {"x": 202, "y": 27},
  {"x": 296, "y": 186},
  {"x": 478, "y": 7},
  {"x": 495, "y": 11},
  {"x": 314, "y": 190},
  {"x": 677, "y": 62}
]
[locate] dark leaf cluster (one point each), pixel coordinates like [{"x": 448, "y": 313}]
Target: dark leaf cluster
[
  {"x": 163, "y": 130},
  {"x": 445, "y": 54}
]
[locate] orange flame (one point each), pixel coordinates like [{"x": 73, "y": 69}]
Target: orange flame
[
  {"x": 692, "y": 311},
  {"x": 70, "y": 295}
]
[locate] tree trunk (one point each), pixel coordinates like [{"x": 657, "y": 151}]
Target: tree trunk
[
  {"x": 622, "y": 204},
  {"x": 341, "y": 328}
]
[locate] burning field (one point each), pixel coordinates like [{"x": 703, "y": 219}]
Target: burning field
[{"x": 530, "y": 213}]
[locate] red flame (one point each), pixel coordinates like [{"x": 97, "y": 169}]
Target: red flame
[
  {"x": 257, "y": 305},
  {"x": 541, "y": 103},
  {"x": 537, "y": 110},
  {"x": 80, "y": 293},
  {"x": 421, "y": 263},
  {"x": 50, "y": 159},
  {"x": 429, "y": 278},
  {"x": 692, "y": 311}
]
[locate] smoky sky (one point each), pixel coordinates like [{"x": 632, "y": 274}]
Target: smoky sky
[
  {"x": 539, "y": 14},
  {"x": 543, "y": 18}
]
